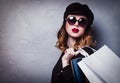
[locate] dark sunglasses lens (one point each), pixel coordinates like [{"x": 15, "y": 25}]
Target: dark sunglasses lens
[
  {"x": 71, "y": 20},
  {"x": 83, "y": 22}
]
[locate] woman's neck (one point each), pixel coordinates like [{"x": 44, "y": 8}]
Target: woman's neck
[{"x": 71, "y": 41}]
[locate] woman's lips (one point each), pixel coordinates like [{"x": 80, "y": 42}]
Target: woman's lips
[{"x": 75, "y": 30}]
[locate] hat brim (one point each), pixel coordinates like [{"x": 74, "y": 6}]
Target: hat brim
[{"x": 78, "y": 13}]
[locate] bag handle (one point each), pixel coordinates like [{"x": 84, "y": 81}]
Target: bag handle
[{"x": 84, "y": 53}]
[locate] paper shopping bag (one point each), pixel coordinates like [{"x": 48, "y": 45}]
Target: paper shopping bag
[
  {"x": 103, "y": 66},
  {"x": 79, "y": 76}
]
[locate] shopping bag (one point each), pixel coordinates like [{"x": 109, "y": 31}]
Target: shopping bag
[
  {"x": 79, "y": 76},
  {"x": 103, "y": 66}
]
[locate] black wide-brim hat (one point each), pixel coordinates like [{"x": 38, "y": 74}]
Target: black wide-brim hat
[{"x": 79, "y": 9}]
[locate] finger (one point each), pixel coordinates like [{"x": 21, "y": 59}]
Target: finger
[
  {"x": 72, "y": 50},
  {"x": 67, "y": 51},
  {"x": 76, "y": 53}
]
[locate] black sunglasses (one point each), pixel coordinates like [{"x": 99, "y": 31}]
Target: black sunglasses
[{"x": 82, "y": 22}]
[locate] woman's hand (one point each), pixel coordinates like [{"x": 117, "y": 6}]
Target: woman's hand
[{"x": 69, "y": 53}]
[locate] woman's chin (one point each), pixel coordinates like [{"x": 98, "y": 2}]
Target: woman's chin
[{"x": 75, "y": 36}]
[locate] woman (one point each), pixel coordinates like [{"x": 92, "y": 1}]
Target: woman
[{"x": 73, "y": 35}]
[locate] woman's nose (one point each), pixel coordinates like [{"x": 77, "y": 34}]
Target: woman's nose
[{"x": 76, "y": 24}]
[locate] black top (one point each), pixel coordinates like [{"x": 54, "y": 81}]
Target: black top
[{"x": 65, "y": 75}]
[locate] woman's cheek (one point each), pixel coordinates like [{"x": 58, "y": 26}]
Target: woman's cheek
[{"x": 68, "y": 28}]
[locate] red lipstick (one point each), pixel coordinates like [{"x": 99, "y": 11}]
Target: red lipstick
[{"x": 75, "y": 30}]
